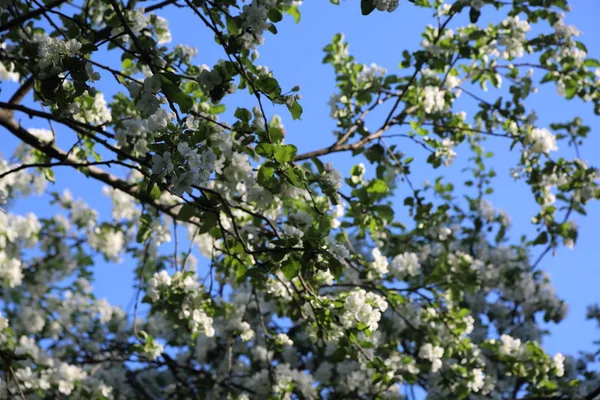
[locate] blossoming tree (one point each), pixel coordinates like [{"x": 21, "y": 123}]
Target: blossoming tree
[{"x": 313, "y": 289}]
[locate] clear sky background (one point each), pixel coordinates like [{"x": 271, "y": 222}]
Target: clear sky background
[{"x": 295, "y": 56}]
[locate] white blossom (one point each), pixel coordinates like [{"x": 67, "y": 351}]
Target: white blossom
[
  {"x": 433, "y": 99},
  {"x": 209, "y": 79},
  {"x": 432, "y": 353},
  {"x": 386, "y": 5},
  {"x": 405, "y": 264},
  {"x": 44, "y": 135},
  {"x": 542, "y": 141},
  {"x": 364, "y": 307},
  {"x": 7, "y": 73},
  {"x": 255, "y": 17},
  {"x": 284, "y": 339},
  {"x": 247, "y": 333},
  {"x": 333, "y": 176},
  {"x": 159, "y": 281},
  {"x": 162, "y": 163},
  {"x": 379, "y": 263},
  {"x": 371, "y": 73},
  {"x": 478, "y": 380},
  {"x": 559, "y": 360},
  {"x": 510, "y": 346},
  {"x": 325, "y": 276}
]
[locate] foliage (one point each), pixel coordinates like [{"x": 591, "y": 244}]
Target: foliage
[{"x": 315, "y": 288}]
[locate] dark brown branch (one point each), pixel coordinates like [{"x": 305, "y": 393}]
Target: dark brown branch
[
  {"x": 593, "y": 394},
  {"x": 79, "y": 127},
  {"x": 143, "y": 54},
  {"x": 239, "y": 65},
  {"x": 41, "y": 114},
  {"x": 160, "y": 5},
  {"x": 20, "y": 20},
  {"x": 99, "y": 174},
  {"x": 22, "y": 91},
  {"x": 356, "y": 145},
  {"x": 389, "y": 121},
  {"x": 51, "y": 151},
  {"x": 61, "y": 163}
]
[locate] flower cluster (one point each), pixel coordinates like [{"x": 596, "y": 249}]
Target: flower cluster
[
  {"x": 541, "y": 141},
  {"x": 363, "y": 307},
  {"x": 91, "y": 110},
  {"x": 433, "y": 354},
  {"x": 162, "y": 285},
  {"x": 195, "y": 171},
  {"x": 53, "y": 50},
  {"x": 405, "y": 264},
  {"x": 386, "y": 5},
  {"x": 434, "y": 99},
  {"x": 513, "y": 36}
]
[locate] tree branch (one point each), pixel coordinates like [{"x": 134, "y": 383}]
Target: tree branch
[
  {"x": 61, "y": 163},
  {"x": 22, "y": 91},
  {"x": 356, "y": 145},
  {"x": 51, "y": 151},
  {"x": 18, "y": 21}
]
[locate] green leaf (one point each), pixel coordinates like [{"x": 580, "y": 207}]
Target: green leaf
[
  {"x": 324, "y": 225},
  {"x": 541, "y": 239},
  {"x": 581, "y": 46},
  {"x": 338, "y": 356},
  {"x": 176, "y": 95},
  {"x": 243, "y": 114},
  {"x": 377, "y": 378},
  {"x": 367, "y": 6},
  {"x": 151, "y": 187},
  {"x": 233, "y": 26},
  {"x": 265, "y": 176},
  {"x": 255, "y": 273},
  {"x": 187, "y": 212},
  {"x": 385, "y": 212},
  {"x": 127, "y": 63},
  {"x": 88, "y": 48},
  {"x": 264, "y": 149},
  {"x": 50, "y": 86},
  {"x": 240, "y": 273},
  {"x": 474, "y": 15},
  {"x": 143, "y": 233},
  {"x": 377, "y": 186},
  {"x": 590, "y": 62},
  {"x": 294, "y": 12},
  {"x": 144, "y": 230},
  {"x": 49, "y": 174},
  {"x": 293, "y": 177},
  {"x": 278, "y": 257},
  {"x": 209, "y": 221},
  {"x": 170, "y": 78},
  {"x": 284, "y": 153},
  {"x": 275, "y": 15},
  {"x": 290, "y": 269},
  {"x": 218, "y": 109},
  {"x": 269, "y": 85},
  {"x": 366, "y": 345},
  {"x": 319, "y": 164},
  {"x": 295, "y": 110},
  {"x": 275, "y": 134}
]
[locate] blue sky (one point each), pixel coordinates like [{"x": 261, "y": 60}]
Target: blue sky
[{"x": 295, "y": 56}]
